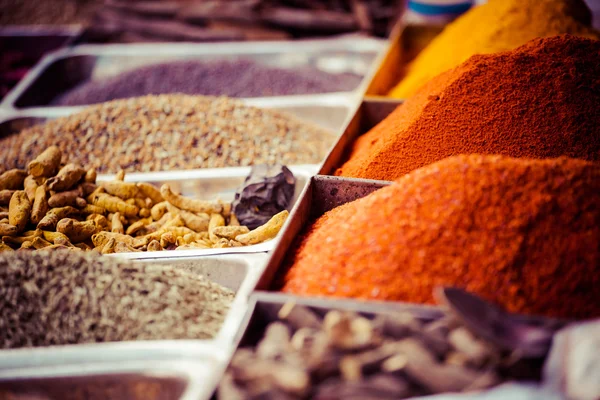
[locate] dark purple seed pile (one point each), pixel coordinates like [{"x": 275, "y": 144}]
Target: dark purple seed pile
[{"x": 241, "y": 78}]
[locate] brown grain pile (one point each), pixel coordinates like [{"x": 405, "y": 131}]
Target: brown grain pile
[
  {"x": 541, "y": 100},
  {"x": 522, "y": 233},
  {"x": 171, "y": 132},
  {"x": 57, "y": 298}
]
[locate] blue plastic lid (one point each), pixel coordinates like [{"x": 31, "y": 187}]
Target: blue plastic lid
[{"x": 428, "y": 8}]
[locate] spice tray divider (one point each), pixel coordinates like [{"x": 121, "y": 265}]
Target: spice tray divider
[
  {"x": 368, "y": 114},
  {"x": 406, "y": 41},
  {"x": 330, "y": 111},
  {"x": 196, "y": 363},
  {"x": 322, "y": 194},
  {"x": 64, "y": 69}
]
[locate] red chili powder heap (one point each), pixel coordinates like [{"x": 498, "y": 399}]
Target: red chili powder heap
[
  {"x": 541, "y": 100},
  {"x": 522, "y": 233}
]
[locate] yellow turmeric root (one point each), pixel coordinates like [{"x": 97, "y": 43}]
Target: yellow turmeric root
[
  {"x": 188, "y": 204},
  {"x": 50, "y": 220},
  {"x": 197, "y": 222},
  {"x": 150, "y": 191},
  {"x": 8, "y": 230},
  {"x": 46, "y": 164},
  {"x": 266, "y": 231},
  {"x": 12, "y": 179},
  {"x": 67, "y": 177},
  {"x": 5, "y": 196},
  {"x": 40, "y": 205},
  {"x": 152, "y": 246},
  {"x": 216, "y": 220},
  {"x": 116, "y": 224},
  {"x": 229, "y": 232},
  {"x": 76, "y": 231},
  {"x": 92, "y": 209},
  {"x": 158, "y": 210},
  {"x": 90, "y": 176},
  {"x": 113, "y": 204},
  {"x": 30, "y": 184},
  {"x": 63, "y": 199},
  {"x": 19, "y": 210},
  {"x": 123, "y": 190}
]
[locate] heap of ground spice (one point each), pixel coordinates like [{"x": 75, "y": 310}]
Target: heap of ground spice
[
  {"x": 541, "y": 100},
  {"x": 522, "y": 233},
  {"x": 498, "y": 25}
]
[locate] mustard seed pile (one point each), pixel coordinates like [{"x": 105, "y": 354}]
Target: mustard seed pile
[
  {"x": 171, "y": 132},
  {"x": 60, "y": 297}
]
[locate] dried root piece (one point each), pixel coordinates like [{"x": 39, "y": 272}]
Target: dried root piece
[
  {"x": 90, "y": 175},
  {"x": 5, "y": 196},
  {"x": 144, "y": 212},
  {"x": 46, "y": 164},
  {"x": 30, "y": 184},
  {"x": 55, "y": 237},
  {"x": 151, "y": 192},
  {"x": 19, "y": 210},
  {"x": 63, "y": 199},
  {"x": 196, "y": 222},
  {"x": 92, "y": 209},
  {"x": 229, "y": 232},
  {"x": 123, "y": 190},
  {"x": 116, "y": 224},
  {"x": 101, "y": 238},
  {"x": 122, "y": 247},
  {"x": 266, "y": 231},
  {"x": 5, "y": 247},
  {"x": 168, "y": 239},
  {"x": 99, "y": 220},
  {"x": 113, "y": 204},
  {"x": 216, "y": 220},
  {"x": 233, "y": 221},
  {"x": 120, "y": 176},
  {"x": 155, "y": 246},
  {"x": 76, "y": 231},
  {"x": 158, "y": 210},
  {"x": 88, "y": 188},
  {"x": 12, "y": 179},
  {"x": 137, "y": 226},
  {"x": 67, "y": 177},
  {"x": 109, "y": 247},
  {"x": 50, "y": 220},
  {"x": 39, "y": 243},
  {"x": 184, "y": 203},
  {"x": 40, "y": 205},
  {"x": 8, "y": 229}
]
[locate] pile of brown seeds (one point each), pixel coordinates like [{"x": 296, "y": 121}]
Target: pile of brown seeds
[
  {"x": 170, "y": 132},
  {"x": 56, "y": 298}
]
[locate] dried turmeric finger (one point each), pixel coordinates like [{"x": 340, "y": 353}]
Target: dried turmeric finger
[
  {"x": 46, "y": 164},
  {"x": 40, "y": 243},
  {"x": 8, "y": 230},
  {"x": 19, "y": 240},
  {"x": 266, "y": 231},
  {"x": 123, "y": 190},
  {"x": 139, "y": 242},
  {"x": 167, "y": 239},
  {"x": 155, "y": 246},
  {"x": 99, "y": 220},
  {"x": 30, "y": 185},
  {"x": 113, "y": 204},
  {"x": 158, "y": 210},
  {"x": 101, "y": 238},
  {"x": 92, "y": 209},
  {"x": 120, "y": 176},
  {"x": 63, "y": 199},
  {"x": 188, "y": 204},
  {"x": 229, "y": 232},
  {"x": 5, "y": 196},
  {"x": 40, "y": 205},
  {"x": 150, "y": 191},
  {"x": 19, "y": 210},
  {"x": 54, "y": 236},
  {"x": 136, "y": 227},
  {"x": 233, "y": 221},
  {"x": 27, "y": 245},
  {"x": 215, "y": 221},
  {"x": 5, "y": 247},
  {"x": 221, "y": 244},
  {"x": 50, "y": 220},
  {"x": 144, "y": 212},
  {"x": 90, "y": 176},
  {"x": 176, "y": 230},
  {"x": 122, "y": 247},
  {"x": 88, "y": 188},
  {"x": 76, "y": 231},
  {"x": 80, "y": 202},
  {"x": 109, "y": 247},
  {"x": 12, "y": 179},
  {"x": 197, "y": 222},
  {"x": 83, "y": 246},
  {"x": 193, "y": 237},
  {"x": 67, "y": 177},
  {"x": 116, "y": 224}
]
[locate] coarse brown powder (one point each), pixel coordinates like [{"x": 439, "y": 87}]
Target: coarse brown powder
[
  {"x": 522, "y": 233},
  {"x": 541, "y": 100}
]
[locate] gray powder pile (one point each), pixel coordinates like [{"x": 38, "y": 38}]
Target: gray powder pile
[
  {"x": 57, "y": 298},
  {"x": 171, "y": 132},
  {"x": 241, "y": 78}
]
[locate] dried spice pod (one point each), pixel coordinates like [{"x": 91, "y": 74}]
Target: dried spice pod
[{"x": 267, "y": 191}]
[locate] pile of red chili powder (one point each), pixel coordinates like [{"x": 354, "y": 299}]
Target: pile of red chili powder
[
  {"x": 520, "y": 232},
  {"x": 541, "y": 100}
]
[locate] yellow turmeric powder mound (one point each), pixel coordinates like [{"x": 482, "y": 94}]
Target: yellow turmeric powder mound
[{"x": 498, "y": 25}]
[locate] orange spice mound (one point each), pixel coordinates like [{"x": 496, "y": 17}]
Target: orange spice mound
[
  {"x": 520, "y": 232},
  {"x": 541, "y": 100}
]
